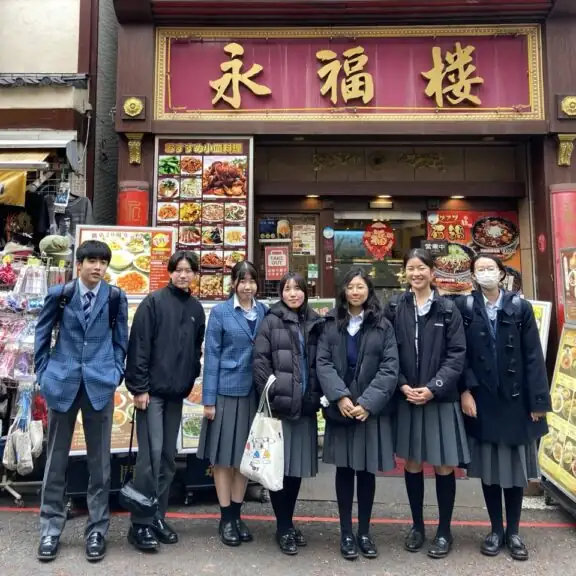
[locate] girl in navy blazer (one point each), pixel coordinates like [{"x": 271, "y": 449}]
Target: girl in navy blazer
[{"x": 228, "y": 396}]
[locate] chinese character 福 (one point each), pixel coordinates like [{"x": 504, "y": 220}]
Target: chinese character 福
[
  {"x": 452, "y": 76},
  {"x": 233, "y": 77},
  {"x": 356, "y": 83}
]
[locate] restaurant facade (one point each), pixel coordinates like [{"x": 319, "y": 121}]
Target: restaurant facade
[{"x": 311, "y": 139}]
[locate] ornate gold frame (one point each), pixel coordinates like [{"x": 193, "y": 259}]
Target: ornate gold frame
[{"x": 535, "y": 73}]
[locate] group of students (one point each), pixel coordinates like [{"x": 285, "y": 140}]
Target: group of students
[
  {"x": 448, "y": 382},
  {"x": 430, "y": 379}
]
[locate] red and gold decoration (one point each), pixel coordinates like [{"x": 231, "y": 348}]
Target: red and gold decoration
[{"x": 379, "y": 240}]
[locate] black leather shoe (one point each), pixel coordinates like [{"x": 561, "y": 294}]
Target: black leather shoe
[
  {"x": 415, "y": 540},
  {"x": 48, "y": 548},
  {"x": 243, "y": 532},
  {"x": 142, "y": 538},
  {"x": 287, "y": 543},
  {"x": 298, "y": 538},
  {"x": 348, "y": 548},
  {"x": 95, "y": 547},
  {"x": 367, "y": 546},
  {"x": 164, "y": 532},
  {"x": 517, "y": 548},
  {"x": 492, "y": 544},
  {"x": 229, "y": 534},
  {"x": 440, "y": 547}
]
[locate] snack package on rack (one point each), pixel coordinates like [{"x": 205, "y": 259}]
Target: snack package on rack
[{"x": 32, "y": 280}]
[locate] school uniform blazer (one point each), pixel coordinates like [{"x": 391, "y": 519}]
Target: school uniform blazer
[
  {"x": 85, "y": 352},
  {"x": 228, "y": 352}
]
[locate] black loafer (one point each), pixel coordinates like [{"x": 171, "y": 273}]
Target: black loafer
[
  {"x": 229, "y": 534},
  {"x": 348, "y": 548},
  {"x": 48, "y": 548},
  {"x": 164, "y": 532},
  {"x": 440, "y": 547},
  {"x": 142, "y": 538},
  {"x": 415, "y": 540},
  {"x": 243, "y": 532},
  {"x": 95, "y": 547},
  {"x": 298, "y": 538},
  {"x": 287, "y": 543},
  {"x": 517, "y": 548},
  {"x": 367, "y": 546},
  {"x": 492, "y": 544}
]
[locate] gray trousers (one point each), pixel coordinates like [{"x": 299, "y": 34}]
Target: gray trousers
[
  {"x": 157, "y": 430},
  {"x": 98, "y": 431}
]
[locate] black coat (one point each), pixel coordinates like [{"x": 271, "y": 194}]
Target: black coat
[
  {"x": 506, "y": 375},
  {"x": 165, "y": 344},
  {"x": 277, "y": 351},
  {"x": 442, "y": 346},
  {"x": 377, "y": 376}
]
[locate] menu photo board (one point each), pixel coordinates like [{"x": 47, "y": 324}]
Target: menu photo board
[
  {"x": 543, "y": 315},
  {"x": 139, "y": 256},
  {"x": 203, "y": 192},
  {"x": 568, "y": 266},
  {"x": 468, "y": 233},
  {"x": 557, "y": 454}
]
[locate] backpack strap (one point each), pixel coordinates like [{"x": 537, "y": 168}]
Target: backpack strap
[
  {"x": 113, "y": 305},
  {"x": 468, "y": 311},
  {"x": 66, "y": 295},
  {"x": 391, "y": 308},
  {"x": 448, "y": 308},
  {"x": 518, "y": 315}
]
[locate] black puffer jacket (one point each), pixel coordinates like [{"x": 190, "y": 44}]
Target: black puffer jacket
[
  {"x": 277, "y": 351},
  {"x": 377, "y": 375}
]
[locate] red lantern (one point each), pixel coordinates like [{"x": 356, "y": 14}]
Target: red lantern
[
  {"x": 133, "y": 204},
  {"x": 379, "y": 240}
]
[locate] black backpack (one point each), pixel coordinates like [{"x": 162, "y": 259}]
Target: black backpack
[
  {"x": 113, "y": 302},
  {"x": 469, "y": 311}
]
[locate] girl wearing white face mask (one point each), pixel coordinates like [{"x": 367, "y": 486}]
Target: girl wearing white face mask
[{"x": 505, "y": 397}]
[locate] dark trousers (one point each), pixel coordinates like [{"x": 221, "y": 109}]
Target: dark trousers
[
  {"x": 157, "y": 431},
  {"x": 97, "y": 431}
]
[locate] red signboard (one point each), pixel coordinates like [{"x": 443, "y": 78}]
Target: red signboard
[
  {"x": 341, "y": 74},
  {"x": 379, "y": 240},
  {"x": 276, "y": 262}
]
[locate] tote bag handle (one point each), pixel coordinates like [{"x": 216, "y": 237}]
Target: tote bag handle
[{"x": 264, "y": 398}]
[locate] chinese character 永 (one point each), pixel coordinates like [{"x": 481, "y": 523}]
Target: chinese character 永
[
  {"x": 356, "y": 82},
  {"x": 233, "y": 77},
  {"x": 452, "y": 76}
]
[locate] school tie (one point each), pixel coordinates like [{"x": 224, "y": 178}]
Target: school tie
[{"x": 88, "y": 304}]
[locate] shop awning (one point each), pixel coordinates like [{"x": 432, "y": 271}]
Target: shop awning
[
  {"x": 23, "y": 160},
  {"x": 36, "y": 139}
]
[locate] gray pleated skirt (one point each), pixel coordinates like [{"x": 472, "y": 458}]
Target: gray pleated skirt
[
  {"x": 365, "y": 446},
  {"x": 504, "y": 466},
  {"x": 223, "y": 439},
  {"x": 301, "y": 447},
  {"x": 432, "y": 434}
]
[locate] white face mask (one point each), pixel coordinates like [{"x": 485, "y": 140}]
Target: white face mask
[{"x": 488, "y": 278}]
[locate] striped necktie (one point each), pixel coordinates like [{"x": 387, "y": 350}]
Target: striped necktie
[{"x": 87, "y": 304}]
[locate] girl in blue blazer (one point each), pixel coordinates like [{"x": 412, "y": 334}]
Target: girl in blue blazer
[{"x": 229, "y": 397}]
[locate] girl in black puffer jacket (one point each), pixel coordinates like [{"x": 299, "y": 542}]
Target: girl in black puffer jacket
[{"x": 286, "y": 347}]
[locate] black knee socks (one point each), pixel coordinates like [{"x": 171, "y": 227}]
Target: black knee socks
[
  {"x": 415, "y": 491},
  {"x": 493, "y": 499},
  {"x": 284, "y": 503},
  {"x": 365, "y": 490},
  {"x": 513, "y": 499},
  {"x": 446, "y": 495}
]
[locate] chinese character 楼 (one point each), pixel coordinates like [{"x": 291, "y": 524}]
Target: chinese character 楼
[
  {"x": 356, "y": 82},
  {"x": 233, "y": 77},
  {"x": 452, "y": 76}
]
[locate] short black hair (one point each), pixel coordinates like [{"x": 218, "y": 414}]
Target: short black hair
[
  {"x": 497, "y": 261},
  {"x": 240, "y": 271},
  {"x": 300, "y": 282},
  {"x": 423, "y": 255},
  {"x": 93, "y": 250},
  {"x": 180, "y": 255}
]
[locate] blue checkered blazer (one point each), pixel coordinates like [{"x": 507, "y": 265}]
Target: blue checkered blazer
[
  {"x": 84, "y": 352},
  {"x": 228, "y": 350}
]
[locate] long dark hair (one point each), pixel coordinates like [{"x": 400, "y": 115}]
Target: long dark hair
[
  {"x": 300, "y": 282},
  {"x": 239, "y": 273},
  {"x": 372, "y": 305}
]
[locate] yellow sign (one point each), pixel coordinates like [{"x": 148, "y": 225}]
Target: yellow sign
[
  {"x": 557, "y": 455},
  {"x": 356, "y": 84},
  {"x": 453, "y": 76},
  {"x": 234, "y": 77}
]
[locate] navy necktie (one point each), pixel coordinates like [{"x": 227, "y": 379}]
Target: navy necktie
[{"x": 87, "y": 304}]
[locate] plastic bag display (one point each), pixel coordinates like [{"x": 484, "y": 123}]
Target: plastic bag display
[
  {"x": 263, "y": 458},
  {"x": 36, "y": 437}
]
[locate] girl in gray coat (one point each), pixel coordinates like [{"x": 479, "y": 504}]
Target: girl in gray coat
[{"x": 357, "y": 367}]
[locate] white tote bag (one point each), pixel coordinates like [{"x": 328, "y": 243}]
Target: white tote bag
[{"x": 263, "y": 459}]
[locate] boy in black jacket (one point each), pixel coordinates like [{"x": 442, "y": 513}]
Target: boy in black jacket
[{"x": 162, "y": 364}]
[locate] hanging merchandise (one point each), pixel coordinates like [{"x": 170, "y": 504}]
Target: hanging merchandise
[
  {"x": 13, "y": 187},
  {"x": 379, "y": 240}
]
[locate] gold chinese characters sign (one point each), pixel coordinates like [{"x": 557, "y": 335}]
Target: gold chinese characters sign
[{"x": 379, "y": 74}]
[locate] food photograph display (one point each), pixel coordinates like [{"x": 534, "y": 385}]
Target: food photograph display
[
  {"x": 203, "y": 194},
  {"x": 469, "y": 233},
  {"x": 557, "y": 456}
]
